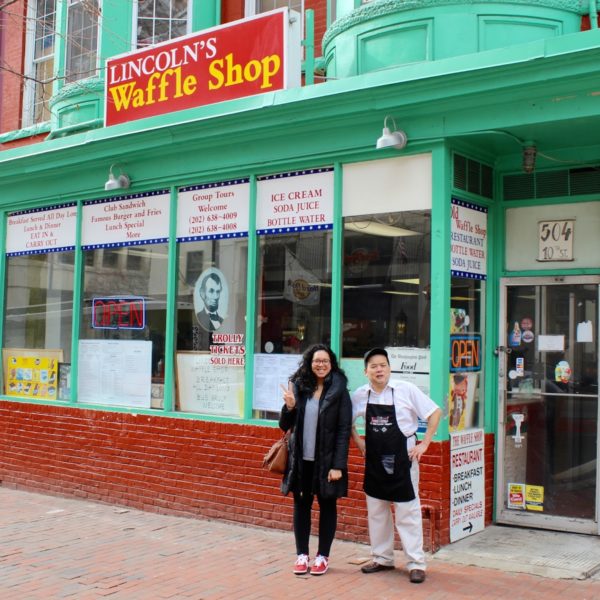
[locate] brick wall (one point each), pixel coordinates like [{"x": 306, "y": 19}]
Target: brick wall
[
  {"x": 12, "y": 20},
  {"x": 185, "y": 467}
]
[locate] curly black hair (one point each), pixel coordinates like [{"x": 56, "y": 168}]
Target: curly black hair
[{"x": 304, "y": 378}]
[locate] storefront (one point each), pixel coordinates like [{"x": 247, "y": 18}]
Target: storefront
[{"x": 149, "y": 320}]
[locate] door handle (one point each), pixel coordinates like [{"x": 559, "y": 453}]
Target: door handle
[{"x": 504, "y": 349}]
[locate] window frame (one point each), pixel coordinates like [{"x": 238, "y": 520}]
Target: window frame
[{"x": 31, "y": 86}]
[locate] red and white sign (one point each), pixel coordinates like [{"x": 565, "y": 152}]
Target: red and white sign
[
  {"x": 213, "y": 211},
  {"x": 252, "y": 56},
  {"x": 41, "y": 231},
  {"x": 126, "y": 220},
  {"x": 468, "y": 256},
  {"x": 467, "y": 483},
  {"x": 297, "y": 201}
]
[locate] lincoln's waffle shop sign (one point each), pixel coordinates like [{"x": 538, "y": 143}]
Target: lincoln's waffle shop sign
[{"x": 244, "y": 58}]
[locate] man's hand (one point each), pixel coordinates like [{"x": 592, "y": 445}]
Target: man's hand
[
  {"x": 334, "y": 475},
  {"x": 417, "y": 451}
]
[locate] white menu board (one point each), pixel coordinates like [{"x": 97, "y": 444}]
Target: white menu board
[
  {"x": 213, "y": 211},
  {"x": 209, "y": 388},
  {"x": 468, "y": 233},
  {"x": 296, "y": 201},
  {"x": 115, "y": 372},
  {"x": 126, "y": 220},
  {"x": 38, "y": 231},
  {"x": 271, "y": 370}
]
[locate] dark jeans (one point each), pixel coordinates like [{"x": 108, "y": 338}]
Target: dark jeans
[{"x": 302, "y": 514}]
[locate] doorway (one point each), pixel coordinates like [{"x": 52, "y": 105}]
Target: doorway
[{"x": 548, "y": 447}]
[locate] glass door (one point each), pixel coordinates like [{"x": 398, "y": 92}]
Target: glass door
[{"x": 548, "y": 403}]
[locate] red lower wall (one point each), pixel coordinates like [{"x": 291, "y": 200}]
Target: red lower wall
[{"x": 187, "y": 467}]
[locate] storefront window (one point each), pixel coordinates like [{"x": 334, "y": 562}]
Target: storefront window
[
  {"x": 468, "y": 259},
  {"x": 293, "y": 304},
  {"x": 387, "y": 288},
  {"x": 467, "y": 299},
  {"x": 36, "y": 350},
  {"x": 210, "y": 362},
  {"x": 211, "y": 326},
  {"x": 122, "y": 328}
]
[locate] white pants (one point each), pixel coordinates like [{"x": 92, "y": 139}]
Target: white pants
[{"x": 409, "y": 524}]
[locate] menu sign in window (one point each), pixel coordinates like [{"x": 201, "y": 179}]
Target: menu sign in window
[
  {"x": 126, "y": 220},
  {"x": 38, "y": 231},
  {"x": 213, "y": 211},
  {"x": 468, "y": 255},
  {"x": 296, "y": 201}
]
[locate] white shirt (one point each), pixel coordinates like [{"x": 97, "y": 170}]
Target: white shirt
[{"x": 409, "y": 401}]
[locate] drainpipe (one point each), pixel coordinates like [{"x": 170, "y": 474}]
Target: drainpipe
[{"x": 593, "y": 14}]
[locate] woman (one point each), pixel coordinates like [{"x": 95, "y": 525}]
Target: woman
[{"x": 318, "y": 410}]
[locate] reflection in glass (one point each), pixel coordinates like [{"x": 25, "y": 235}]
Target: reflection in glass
[
  {"x": 211, "y": 326},
  {"x": 552, "y": 395},
  {"x": 39, "y": 307},
  {"x": 387, "y": 288},
  {"x": 138, "y": 272}
]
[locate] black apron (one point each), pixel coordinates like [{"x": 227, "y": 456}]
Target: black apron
[{"x": 387, "y": 465}]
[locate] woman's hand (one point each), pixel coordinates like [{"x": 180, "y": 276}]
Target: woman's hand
[
  {"x": 334, "y": 475},
  {"x": 288, "y": 396}
]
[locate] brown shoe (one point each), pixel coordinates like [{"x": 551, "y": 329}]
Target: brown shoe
[
  {"x": 374, "y": 567},
  {"x": 417, "y": 576}
]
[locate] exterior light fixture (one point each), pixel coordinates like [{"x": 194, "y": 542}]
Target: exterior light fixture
[
  {"x": 116, "y": 183},
  {"x": 391, "y": 139},
  {"x": 529, "y": 154}
]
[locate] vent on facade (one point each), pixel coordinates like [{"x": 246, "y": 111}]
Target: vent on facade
[
  {"x": 472, "y": 176},
  {"x": 552, "y": 184}
]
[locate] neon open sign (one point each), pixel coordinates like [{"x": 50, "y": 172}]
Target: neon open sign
[{"x": 119, "y": 312}]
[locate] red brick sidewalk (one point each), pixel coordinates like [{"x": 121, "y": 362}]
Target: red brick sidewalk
[{"x": 55, "y": 548}]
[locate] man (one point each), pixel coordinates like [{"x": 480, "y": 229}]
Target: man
[
  {"x": 391, "y": 410},
  {"x": 210, "y": 292}
]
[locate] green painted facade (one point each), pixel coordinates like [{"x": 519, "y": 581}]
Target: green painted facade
[{"x": 481, "y": 79}]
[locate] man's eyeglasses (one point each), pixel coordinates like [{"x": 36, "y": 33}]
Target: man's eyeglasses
[{"x": 323, "y": 361}]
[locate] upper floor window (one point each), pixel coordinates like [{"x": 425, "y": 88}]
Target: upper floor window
[
  {"x": 39, "y": 82},
  {"x": 82, "y": 39},
  {"x": 254, "y": 7},
  {"x": 161, "y": 20}
]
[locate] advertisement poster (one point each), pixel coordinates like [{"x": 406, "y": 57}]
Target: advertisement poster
[
  {"x": 516, "y": 496},
  {"x": 126, "y": 220},
  {"x": 296, "y": 201},
  {"x": 115, "y": 372},
  {"x": 243, "y": 58},
  {"x": 462, "y": 403},
  {"x": 32, "y": 376},
  {"x": 410, "y": 364},
  {"x": 213, "y": 211},
  {"x": 38, "y": 231},
  {"x": 468, "y": 255}
]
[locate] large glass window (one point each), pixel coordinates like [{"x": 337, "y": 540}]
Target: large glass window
[
  {"x": 37, "y": 325},
  {"x": 467, "y": 301},
  {"x": 122, "y": 328},
  {"x": 39, "y": 84},
  {"x": 161, "y": 20},
  {"x": 211, "y": 326},
  {"x": 293, "y": 301},
  {"x": 82, "y": 39}
]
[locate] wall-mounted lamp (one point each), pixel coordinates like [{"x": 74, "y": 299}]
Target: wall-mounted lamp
[
  {"x": 116, "y": 183},
  {"x": 529, "y": 154},
  {"x": 391, "y": 139}
]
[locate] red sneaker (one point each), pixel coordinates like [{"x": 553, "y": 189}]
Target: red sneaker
[
  {"x": 320, "y": 565},
  {"x": 301, "y": 566}
]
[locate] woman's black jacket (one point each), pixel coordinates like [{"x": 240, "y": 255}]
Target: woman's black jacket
[{"x": 333, "y": 437}]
